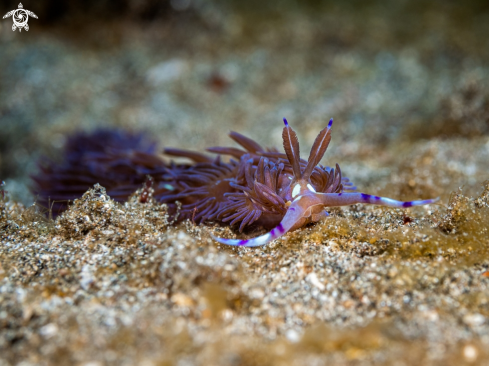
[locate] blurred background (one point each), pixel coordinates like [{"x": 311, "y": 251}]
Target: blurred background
[{"x": 405, "y": 81}]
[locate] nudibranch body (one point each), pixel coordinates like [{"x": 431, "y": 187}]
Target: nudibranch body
[{"x": 256, "y": 186}]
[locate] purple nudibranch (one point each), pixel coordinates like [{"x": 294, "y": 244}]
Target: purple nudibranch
[{"x": 257, "y": 186}]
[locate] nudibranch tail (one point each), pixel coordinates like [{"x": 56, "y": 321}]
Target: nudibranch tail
[{"x": 294, "y": 213}]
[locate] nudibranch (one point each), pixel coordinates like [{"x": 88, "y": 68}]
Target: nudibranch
[{"x": 257, "y": 186}]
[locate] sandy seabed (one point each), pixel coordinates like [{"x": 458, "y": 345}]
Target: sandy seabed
[{"x": 119, "y": 284}]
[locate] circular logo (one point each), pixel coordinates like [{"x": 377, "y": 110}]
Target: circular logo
[{"x": 20, "y": 17}]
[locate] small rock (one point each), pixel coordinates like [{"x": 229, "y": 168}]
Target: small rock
[
  {"x": 312, "y": 278},
  {"x": 470, "y": 353},
  {"x": 293, "y": 336},
  {"x": 166, "y": 71},
  {"x": 474, "y": 319},
  {"x": 182, "y": 300},
  {"x": 49, "y": 330}
]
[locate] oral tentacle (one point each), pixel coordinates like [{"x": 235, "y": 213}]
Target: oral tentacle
[
  {"x": 345, "y": 199},
  {"x": 294, "y": 213}
]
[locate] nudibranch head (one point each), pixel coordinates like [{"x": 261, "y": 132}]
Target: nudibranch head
[{"x": 307, "y": 204}]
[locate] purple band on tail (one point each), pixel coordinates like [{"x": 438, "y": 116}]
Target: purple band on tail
[
  {"x": 278, "y": 230},
  {"x": 285, "y": 122}
]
